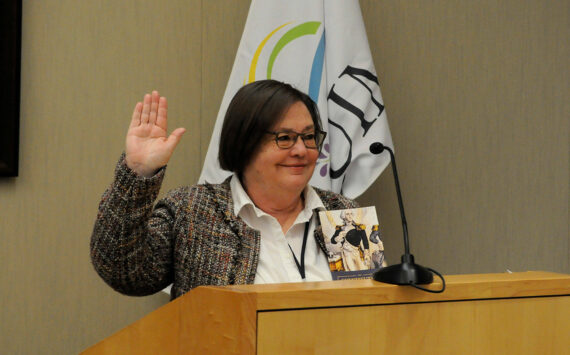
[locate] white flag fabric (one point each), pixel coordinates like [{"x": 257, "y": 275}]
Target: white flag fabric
[{"x": 320, "y": 47}]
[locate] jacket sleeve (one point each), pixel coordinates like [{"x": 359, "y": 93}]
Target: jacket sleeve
[{"x": 132, "y": 242}]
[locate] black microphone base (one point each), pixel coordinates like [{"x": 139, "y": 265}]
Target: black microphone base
[{"x": 405, "y": 273}]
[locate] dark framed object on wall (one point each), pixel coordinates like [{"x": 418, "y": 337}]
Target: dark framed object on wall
[{"x": 10, "y": 56}]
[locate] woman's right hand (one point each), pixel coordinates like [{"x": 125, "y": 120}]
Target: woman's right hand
[{"x": 148, "y": 148}]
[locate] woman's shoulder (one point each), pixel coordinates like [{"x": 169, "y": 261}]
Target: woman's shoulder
[{"x": 201, "y": 192}]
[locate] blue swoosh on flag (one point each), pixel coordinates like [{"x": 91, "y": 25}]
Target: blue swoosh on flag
[{"x": 317, "y": 70}]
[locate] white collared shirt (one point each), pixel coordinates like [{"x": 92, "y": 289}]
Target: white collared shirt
[{"x": 276, "y": 262}]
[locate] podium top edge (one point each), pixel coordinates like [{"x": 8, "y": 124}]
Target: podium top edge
[
  {"x": 346, "y": 293},
  {"x": 451, "y": 280}
]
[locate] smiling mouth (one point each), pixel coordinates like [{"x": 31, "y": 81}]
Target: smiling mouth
[{"x": 295, "y": 169}]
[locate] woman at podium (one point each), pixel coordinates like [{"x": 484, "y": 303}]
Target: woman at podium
[{"x": 259, "y": 226}]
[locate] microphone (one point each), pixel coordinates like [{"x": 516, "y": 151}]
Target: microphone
[{"x": 407, "y": 272}]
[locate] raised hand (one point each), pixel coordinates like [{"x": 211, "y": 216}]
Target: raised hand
[{"x": 148, "y": 148}]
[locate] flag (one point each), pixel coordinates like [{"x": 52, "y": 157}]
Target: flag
[{"x": 319, "y": 47}]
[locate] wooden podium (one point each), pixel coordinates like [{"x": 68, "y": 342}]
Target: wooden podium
[{"x": 518, "y": 313}]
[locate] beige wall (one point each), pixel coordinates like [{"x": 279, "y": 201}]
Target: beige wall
[
  {"x": 476, "y": 95},
  {"x": 477, "y": 99}
]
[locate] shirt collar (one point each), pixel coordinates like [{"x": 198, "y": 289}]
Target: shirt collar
[{"x": 241, "y": 199}]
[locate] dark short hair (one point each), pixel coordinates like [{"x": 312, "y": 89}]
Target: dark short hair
[{"x": 253, "y": 111}]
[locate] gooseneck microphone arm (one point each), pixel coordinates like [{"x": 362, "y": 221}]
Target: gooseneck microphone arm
[
  {"x": 407, "y": 272},
  {"x": 377, "y": 148}
]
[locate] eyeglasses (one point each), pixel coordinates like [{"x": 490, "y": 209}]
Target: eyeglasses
[{"x": 312, "y": 140}]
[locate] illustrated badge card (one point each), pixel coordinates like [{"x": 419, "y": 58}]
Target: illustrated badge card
[{"x": 354, "y": 244}]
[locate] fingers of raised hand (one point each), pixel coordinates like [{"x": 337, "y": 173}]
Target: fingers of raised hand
[
  {"x": 146, "y": 109},
  {"x": 152, "y": 110},
  {"x": 175, "y": 137},
  {"x": 161, "y": 119},
  {"x": 154, "y": 99},
  {"x": 136, "y": 119}
]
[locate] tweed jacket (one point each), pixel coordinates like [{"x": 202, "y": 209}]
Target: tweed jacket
[{"x": 191, "y": 237}]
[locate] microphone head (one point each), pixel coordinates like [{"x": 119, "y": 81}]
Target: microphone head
[{"x": 376, "y": 148}]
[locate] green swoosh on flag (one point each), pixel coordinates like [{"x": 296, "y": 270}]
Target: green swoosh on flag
[{"x": 307, "y": 28}]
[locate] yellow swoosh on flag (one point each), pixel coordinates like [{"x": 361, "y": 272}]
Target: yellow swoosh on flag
[{"x": 258, "y": 53}]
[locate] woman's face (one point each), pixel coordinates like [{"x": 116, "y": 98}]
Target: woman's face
[{"x": 277, "y": 170}]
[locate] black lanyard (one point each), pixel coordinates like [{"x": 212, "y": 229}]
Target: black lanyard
[{"x": 301, "y": 266}]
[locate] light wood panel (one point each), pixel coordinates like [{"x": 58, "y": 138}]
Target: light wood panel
[
  {"x": 479, "y": 327},
  {"x": 476, "y": 314},
  {"x": 147, "y": 337}
]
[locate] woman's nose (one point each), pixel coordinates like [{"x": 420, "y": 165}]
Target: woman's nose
[{"x": 299, "y": 147}]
